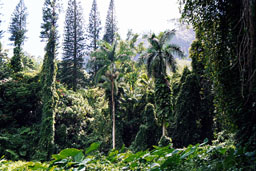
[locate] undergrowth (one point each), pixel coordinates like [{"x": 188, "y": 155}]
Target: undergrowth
[{"x": 195, "y": 157}]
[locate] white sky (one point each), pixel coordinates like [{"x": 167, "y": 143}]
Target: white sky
[{"x": 139, "y": 15}]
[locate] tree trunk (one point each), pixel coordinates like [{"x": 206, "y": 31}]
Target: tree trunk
[
  {"x": 113, "y": 113},
  {"x": 163, "y": 129}
]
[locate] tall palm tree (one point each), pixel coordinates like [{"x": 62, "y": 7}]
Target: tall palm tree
[
  {"x": 160, "y": 60},
  {"x": 108, "y": 56}
]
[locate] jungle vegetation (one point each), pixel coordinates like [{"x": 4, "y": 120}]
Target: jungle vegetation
[{"x": 127, "y": 104}]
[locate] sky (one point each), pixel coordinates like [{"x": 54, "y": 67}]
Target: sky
[{"x": 141, "y": 16}]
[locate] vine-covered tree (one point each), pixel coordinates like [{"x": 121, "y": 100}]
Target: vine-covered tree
[
  {"x": 94, "y": 27},
  {"x": 48, "y": 78},
  {"x": 111, "y": 24},
  {"x": 73, "y": 46},
  {"x": 187, "y": 108},
  {"x": 228, "y": 30},
  {"x": 199, "y": 68},
  {"x": 18, "y": 29},
  {"x": 159, "y": 60}
]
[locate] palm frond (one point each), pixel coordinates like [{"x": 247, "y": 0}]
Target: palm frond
[
  {"x": 149, "y": 63},
  {"x": 167, "y": 36},
  {"x": 171, "y": 62},
  {"x": 175, "y": 50},
  {"x": 154, "y": 42},
  {"x": 112, "y": 52},
  {"x": 100, "y": 73}
]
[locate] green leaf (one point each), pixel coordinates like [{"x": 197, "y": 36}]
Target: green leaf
[
  {"x": 15, "y": 155},
  {"x": 154, "y": 166},
  {"x": 133, "y": 165},
  {"x": 222, "y": 150},
  {"x": 37, "y": 166},
  {"x": 189, "y": 151},
  {"x": 25, "y": 130},
  {"x": 63, "y": 161},
  {"x": 130, "y": 158},
  {"x": 149, "y": 157},
  {"x": 79, "y": 157},
  {"x": 84, "y": 162},
  {"x": 205, "y": 142},
  {"x": 93, "y": 147},
  {"x": 69, "y": 152}
]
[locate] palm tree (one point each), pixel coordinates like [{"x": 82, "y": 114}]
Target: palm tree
[
  {"x": 108, "y": 56},
  {"x": 159, "y": 61}
]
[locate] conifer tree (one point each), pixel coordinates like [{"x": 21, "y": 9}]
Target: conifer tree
[
  {"x": 48, "y": 77},
  {"x": 73, "y": 46},
  {"x": 18, "y": 29},
  {"x": 111, "y": 24},
  {"x": 94, "y": 27}
]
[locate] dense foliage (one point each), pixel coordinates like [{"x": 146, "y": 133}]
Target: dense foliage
[
  {"x": 197, "y": 157},
  {"x": 137, "y": 108},
  {"x": 226, "y": 30}
]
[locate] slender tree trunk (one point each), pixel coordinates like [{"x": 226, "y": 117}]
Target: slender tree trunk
[
  {"x": 163, "y": 129},
  {"x": 113, "y": 113}
]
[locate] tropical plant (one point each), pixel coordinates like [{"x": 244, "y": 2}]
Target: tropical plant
[
  {"x": 159, "y": 60},
  {"x": 197, "y": 157},
  {"x": 109, "y": 56},
  {"x": 72, "y": 121}
]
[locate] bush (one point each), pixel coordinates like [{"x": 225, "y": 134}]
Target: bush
[{"x": 72, "y": 119}]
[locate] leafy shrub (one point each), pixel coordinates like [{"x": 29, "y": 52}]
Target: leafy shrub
[
  {"x": 19, "y": 101},
  {"x": 72, "y": 118},
  {"x": 18, "y": 143},
  {"x": 198, "y": 157}
]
